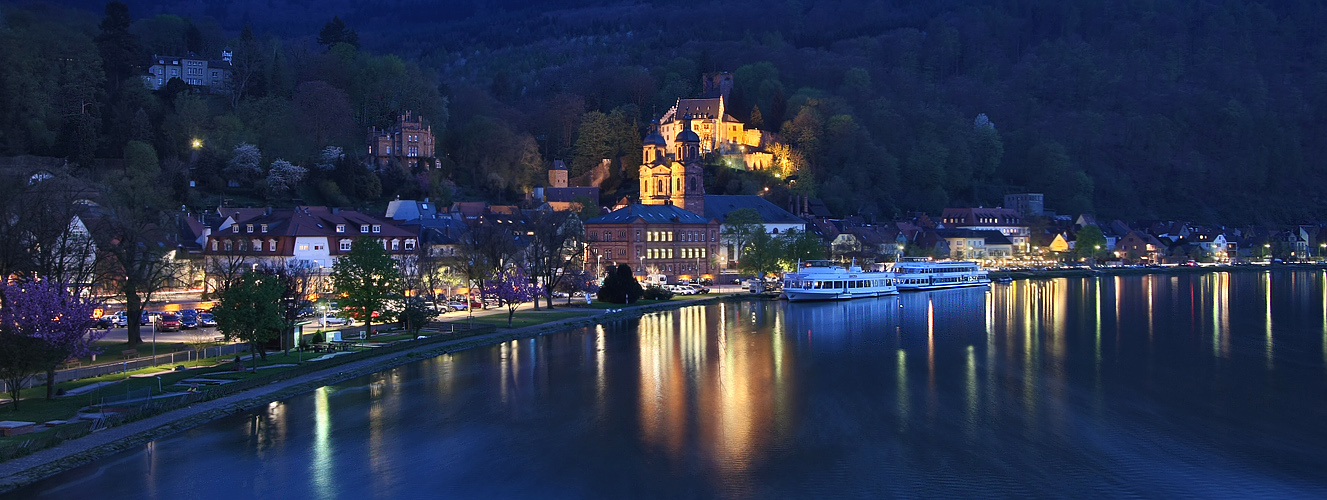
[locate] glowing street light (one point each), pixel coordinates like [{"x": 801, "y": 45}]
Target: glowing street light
[{"x": 197, "y": 143}]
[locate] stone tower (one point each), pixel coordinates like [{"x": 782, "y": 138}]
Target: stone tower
[{"x": 557, "y": 176}]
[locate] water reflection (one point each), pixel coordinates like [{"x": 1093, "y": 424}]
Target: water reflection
[
  {"x": 699, "y": 388},
  {"x": 1156, "y": 386}
]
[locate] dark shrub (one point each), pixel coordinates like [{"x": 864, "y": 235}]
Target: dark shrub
[{"x": 656, "y": 293}]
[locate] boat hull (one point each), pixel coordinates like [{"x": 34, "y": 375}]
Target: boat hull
[
  {"x": 814, "y": 295},
  {"x": 941, "y": 286}
]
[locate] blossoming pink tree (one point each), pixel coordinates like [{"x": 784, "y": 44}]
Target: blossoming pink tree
[
  {"x": 512, "y": 287},
  {"x": 56, "y": 315}
]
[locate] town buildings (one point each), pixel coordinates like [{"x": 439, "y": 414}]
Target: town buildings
[{"x": 1007, "y": 221}]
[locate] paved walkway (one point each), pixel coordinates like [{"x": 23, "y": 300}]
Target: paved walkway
[{"x": 70, "y": 454}]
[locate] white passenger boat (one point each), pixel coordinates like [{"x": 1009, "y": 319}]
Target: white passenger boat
[
  {"x": 925, "y": 274},
  {"x": 828, "y": 280}
]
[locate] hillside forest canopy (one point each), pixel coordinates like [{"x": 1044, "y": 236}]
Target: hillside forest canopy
[{"x": 1208, "y": 111}]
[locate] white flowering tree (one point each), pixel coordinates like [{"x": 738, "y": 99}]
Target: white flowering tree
[
  {"x": 245, "y": 164},
  {"x": 284, "y": 176},
  {"x": 329, "y": 157}
]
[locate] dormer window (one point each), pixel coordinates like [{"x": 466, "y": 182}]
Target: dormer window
[
  {"x": 340, "y": 228},
  {"x": 263, "y": 228},
  {"x": 271, "y": 245},
  {"x": 363, "y": 228},
  {"x": 377, "y": 228},
  {"x": 410, "y": 244},
  {"x": 396, "y": 244},
  {"x": 235, "y": 228},
  {"x": 248, "y": 228}
]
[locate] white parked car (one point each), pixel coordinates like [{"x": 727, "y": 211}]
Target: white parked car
[{"x": 333, "y": 320}]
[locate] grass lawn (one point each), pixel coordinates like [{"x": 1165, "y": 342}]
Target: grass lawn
[
  {"x": 34, "y": 407},
  {"x": 526, "y": 318},
  {"x": 110, "y": 351},
  {"x": 641, "y": 302}
]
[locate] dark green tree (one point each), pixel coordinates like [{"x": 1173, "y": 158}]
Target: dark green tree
[
  {"x": 366, "y": 278},
  {"x": 119, "y": 48},
  {"x": 335, "y": 31},
  {"x": 1090, "y": 243},
  {"x": 800, "y": 246},
  {"x": 250, "y": 311},
  {"x": 620, "y": 286},
  {"x": 739, "y": 227},
  {"x": 762, "y": 255}
]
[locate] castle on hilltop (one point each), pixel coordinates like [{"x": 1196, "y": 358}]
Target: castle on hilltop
[{"x": 718, "y": 131}]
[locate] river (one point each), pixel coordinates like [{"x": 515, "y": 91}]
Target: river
[{"x": 1204, "y": 385}]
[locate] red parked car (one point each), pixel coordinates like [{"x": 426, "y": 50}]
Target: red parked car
[{"x": 168, "y": 322}]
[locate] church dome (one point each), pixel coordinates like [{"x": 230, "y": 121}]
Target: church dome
[
  {"x": 655, "y": 139},
  {"x": 687, "y": 135}
]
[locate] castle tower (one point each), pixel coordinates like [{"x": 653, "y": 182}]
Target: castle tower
[{"x": 557, "y": 176}]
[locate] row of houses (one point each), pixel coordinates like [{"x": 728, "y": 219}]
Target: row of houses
[{"x": 1000, "y": 236}]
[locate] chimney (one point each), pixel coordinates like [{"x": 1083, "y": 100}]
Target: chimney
[{"x": 806, "y": 204}]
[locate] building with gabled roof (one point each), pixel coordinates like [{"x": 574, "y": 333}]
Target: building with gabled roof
[
  {"x": 406, "y": 142},
  {"x": 1005, "y": 220},
  {"x": 214, "y": 75},
  {"x": 310, "y": 237},
  {"x": 654, "y": 239}
]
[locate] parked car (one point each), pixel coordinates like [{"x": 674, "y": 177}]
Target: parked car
[
  {"x": 106, "y": 322},
  {"x": 206, "y": 319},
  {"x": 188, "y": 319},
  {"x": 145, "y": 320},
  {"x": 700, "y": 289},
  {"x": 333, "y": 321},
  {"x": 457, "y": 306},
  {"x": 168, "y": 322},
  {"x": 121, "y": 319}
]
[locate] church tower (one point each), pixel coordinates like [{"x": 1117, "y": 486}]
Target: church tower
[
  {"x": 687, "y": 174},
  {"x": 655, "y": 176}
]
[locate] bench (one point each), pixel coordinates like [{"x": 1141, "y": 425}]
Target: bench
[
  {"x": 129, "y": 354},
  {"x": 71, "y": 364}
]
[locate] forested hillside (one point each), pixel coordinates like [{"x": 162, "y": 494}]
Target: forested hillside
[{"x": 1135, "y": 109}]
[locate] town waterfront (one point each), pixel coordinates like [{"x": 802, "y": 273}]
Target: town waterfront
[{"x": 1206, "y": 385}]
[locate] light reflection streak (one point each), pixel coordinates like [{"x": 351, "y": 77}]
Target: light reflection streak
[
  {"x": 902, "y": 397},
  {"x": 320, "y": 468},
  {"x": 970, "y": 422},
  {"x": 600, "y": 373},
  {"x": 1267, "y": 306}
]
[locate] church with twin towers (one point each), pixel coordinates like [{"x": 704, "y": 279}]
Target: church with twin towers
[{"x": 671, "y": 171}]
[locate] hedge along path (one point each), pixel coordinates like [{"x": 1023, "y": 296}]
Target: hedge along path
[{"x": 77, "y": 452}]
